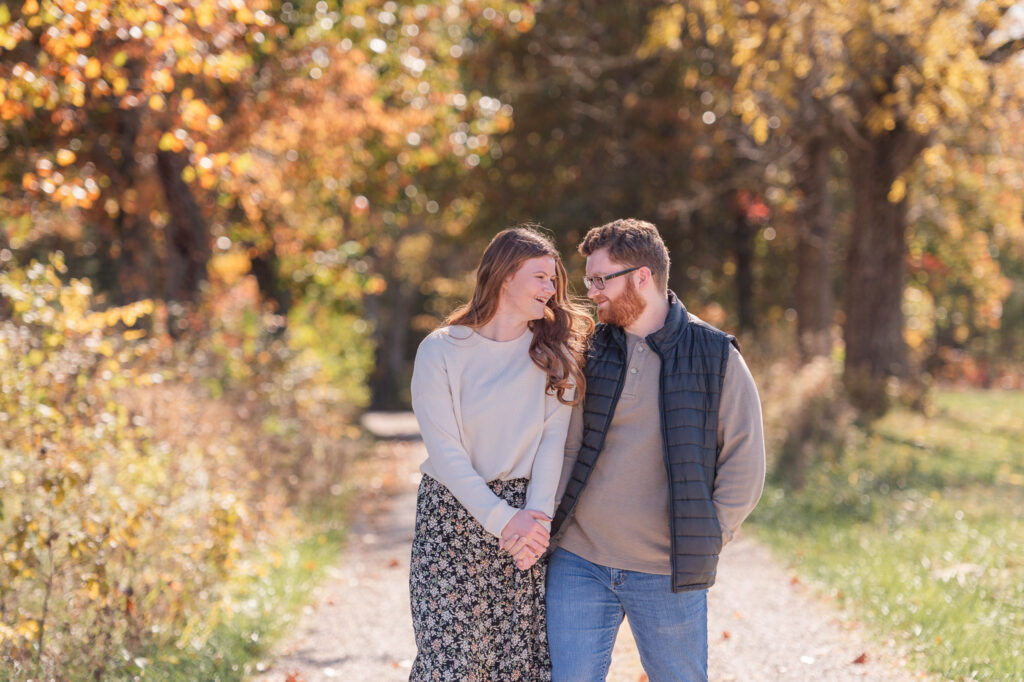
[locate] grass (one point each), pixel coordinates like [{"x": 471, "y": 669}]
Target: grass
[
  {"x": 263, "y": 606},
  {"x": 917, "y": 528}
]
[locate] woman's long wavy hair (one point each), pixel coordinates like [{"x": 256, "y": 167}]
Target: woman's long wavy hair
[{"x": 560, "y": 337}]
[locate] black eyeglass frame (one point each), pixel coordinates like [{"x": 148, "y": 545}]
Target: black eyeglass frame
[{"x": 598, "y": 281}]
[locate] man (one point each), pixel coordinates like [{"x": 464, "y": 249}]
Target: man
[{"x": 664, "y": 460}]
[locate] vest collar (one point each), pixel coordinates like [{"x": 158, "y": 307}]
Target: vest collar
[{"x": 675, "y": 323}]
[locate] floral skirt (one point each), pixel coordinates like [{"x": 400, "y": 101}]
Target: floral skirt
[{"x": 477, "y": 617}]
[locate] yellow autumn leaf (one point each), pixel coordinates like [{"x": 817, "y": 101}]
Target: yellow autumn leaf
[
  {"x": 897, "y": 191},
  {"x": 30, "y": 7},
  {"x": 163, "y": 80},
  {"x": 66, "y": 157},
  {"x": 760, "y": 130},
  {"x": 28, "y": 628},
  {"x": 168, "y": 142},
  {"x": 93, "y": 68},
  {"x": 156, "y": 103},
  {"x": 241, "y": 163}
]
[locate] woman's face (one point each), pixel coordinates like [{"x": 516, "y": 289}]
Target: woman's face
[{"x": 528, "y": 291}]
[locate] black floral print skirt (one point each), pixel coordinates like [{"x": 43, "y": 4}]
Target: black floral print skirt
[{"x": 477, "y": 617}]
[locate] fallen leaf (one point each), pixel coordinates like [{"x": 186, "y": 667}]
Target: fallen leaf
[
  {"x": 795, "y": 580},
  {"x": 737, "y": 615},
  {"x": 861, "y": 660},
  {"x": 726, "y": 634},
  {"x": 293, "y": 677},
  {"x": 393, "y": 563},
  {"x": 642, "y": 678}
]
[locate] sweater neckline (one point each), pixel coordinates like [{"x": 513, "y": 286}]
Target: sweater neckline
[{"x": 468, "y": 335}]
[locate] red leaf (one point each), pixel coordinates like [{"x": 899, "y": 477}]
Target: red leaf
[{"x": 861, "y": 660}]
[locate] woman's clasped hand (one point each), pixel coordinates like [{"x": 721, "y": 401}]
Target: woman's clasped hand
[{"x": 525, "y": 537}]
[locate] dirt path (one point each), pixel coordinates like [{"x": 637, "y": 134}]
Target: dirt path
[{"x": 763, "y": 624}]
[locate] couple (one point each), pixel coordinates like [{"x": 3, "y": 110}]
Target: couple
[{"x": 576, "y": 474}]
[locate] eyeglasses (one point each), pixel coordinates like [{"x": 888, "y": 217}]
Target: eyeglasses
[{"x": 597, "y": 281}]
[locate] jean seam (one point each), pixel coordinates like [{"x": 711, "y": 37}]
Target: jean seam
[{"x": 608, "y": 656}]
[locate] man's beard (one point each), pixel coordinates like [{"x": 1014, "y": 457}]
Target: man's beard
[{"x": 624, "y": 309}]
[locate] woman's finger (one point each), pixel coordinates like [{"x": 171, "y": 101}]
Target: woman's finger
[
  {"x": 517, "y": 546},
  {"x": 539, "y": 516},
  {"x": 538, "y": 528},
  {"x": 539, "y": 539},
  {"x": 531, "y": 549},
  {"x": 505, "y": 543}
]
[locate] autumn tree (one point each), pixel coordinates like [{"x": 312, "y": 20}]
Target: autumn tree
[
  {"x": 358, "y": 171},
  {"x": 108, "y": 111},
  {"x": 606, "y": 127},
  {"x": 884, "y": 78}
]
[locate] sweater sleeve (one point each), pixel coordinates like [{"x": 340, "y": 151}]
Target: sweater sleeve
[
  {"x": 547, "y": 466},
  {"x": 573, "y": 443},
  {"x": 435, "y": 411},
  {"x": 739, "y": 479}
]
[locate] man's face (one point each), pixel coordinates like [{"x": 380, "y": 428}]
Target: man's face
[{"x": 619, "y": 303}]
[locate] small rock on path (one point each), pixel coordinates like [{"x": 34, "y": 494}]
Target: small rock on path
[{"x": 764, "y": 624}]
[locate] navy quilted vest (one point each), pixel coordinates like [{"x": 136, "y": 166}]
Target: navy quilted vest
[{"x": 693, "y": 359}]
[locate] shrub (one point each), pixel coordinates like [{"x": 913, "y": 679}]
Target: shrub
[{"x": 137, "y": 472}]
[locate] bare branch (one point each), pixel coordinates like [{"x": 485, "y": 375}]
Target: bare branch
[{"x": 1005, "y": 51}]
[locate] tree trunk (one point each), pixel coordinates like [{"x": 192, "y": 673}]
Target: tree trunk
[
  {"x": 393, "y": 312},
  {"x": 876, "y": 267},
  {"x": 134, "y": 262},
  {"x": 264, "y": 268},
  {"x": 743, "y": 240},
  {"x": 132, "y": 231},
  {"x": 814, "y": 299},
  {"x": 188, "y": 248},
  {"x": 5, "y": 305}
]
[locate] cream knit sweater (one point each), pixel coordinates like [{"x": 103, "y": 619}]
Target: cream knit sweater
[{"x": 484, "y": 416}]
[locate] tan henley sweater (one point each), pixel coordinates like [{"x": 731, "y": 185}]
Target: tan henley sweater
[
  {"x": 484, "y": 416},
  {"x": 622, "y": 516}
]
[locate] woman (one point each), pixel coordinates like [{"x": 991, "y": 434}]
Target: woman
[{"x": 492, "y": 392}]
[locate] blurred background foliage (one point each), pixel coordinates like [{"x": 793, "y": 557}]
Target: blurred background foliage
[{"x": 226, "y": 225}]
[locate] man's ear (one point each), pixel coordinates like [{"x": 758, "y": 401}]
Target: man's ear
[{"x": 646, "y": 277}]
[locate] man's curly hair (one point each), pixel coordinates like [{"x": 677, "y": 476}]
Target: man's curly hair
[{"x": 631, "y": 242}]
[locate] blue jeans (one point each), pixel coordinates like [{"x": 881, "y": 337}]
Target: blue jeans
[{"x": 586, "y": 603}]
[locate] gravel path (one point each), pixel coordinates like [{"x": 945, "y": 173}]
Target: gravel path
[{"x": 763, "y": 624}]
